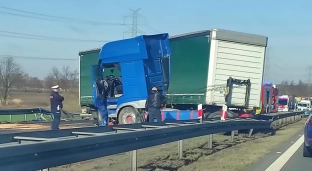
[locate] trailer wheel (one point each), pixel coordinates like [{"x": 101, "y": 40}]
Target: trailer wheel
[
  {"x": 129, "y": 115},
  {"x": 217, "y": 114},
  {"x": 214, "y": 114}
]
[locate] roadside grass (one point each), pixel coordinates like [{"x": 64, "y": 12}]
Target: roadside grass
[
  {"x": 242, "y": 156},
  {"x": 225, "y": 156}
]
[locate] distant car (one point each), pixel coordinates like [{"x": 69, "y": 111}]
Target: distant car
[{"x": 307, "y": 144}]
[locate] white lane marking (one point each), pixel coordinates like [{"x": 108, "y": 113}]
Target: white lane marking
[{"x": 282, "y": 160}]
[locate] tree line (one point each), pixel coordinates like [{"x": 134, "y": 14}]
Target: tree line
[
  {"x": 299, "y": 89},
  {"x": 13, "y": 78}
]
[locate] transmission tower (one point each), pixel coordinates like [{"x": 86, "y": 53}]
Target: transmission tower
[{"x": 134, "y": 29}]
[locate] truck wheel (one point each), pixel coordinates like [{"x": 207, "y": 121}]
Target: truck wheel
[
  {"x": 217, "y": 114},
  {"x": 129, "y": 115},
  {"x": 214, "y": 114}
]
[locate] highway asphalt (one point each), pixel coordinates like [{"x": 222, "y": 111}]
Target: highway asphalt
[
  {"x": 297, "y": 162},
  {"x": 286, "y": 157}
]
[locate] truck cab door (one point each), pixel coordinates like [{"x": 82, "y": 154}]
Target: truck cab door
[
  {"x": 98, "y": 83},
  {"x": 99, "y": 95},
  {"x": 157, "y": 66}
]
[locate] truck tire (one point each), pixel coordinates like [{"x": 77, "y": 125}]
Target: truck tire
[
  {"x": 214, "y": 115},
  {"x": 217, "y": 114},
  {"x": 129, "y": 115}
]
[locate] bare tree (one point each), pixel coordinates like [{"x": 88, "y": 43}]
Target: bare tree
[
  {"x": 35, "y": 83},
  {"x": 74, "y": 79},
  {"x": 66, "y": 74},
  {"x": 49, "y": 82},
  {"x": 10, "y": 73},
  {"x": 66, "y": 78}
]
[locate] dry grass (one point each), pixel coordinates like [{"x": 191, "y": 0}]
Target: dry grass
[
  {"x": 34, "y": 100},
  {"x": 242, "y": 156},
  {"x": 224, "y": 156},
  {"x": 147, "y": 158}
]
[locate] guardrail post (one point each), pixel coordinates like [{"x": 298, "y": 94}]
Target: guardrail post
[
  {"x": 180, "y": 149},
  {"x": 210, "y": 139},
  {"x": 133, "y": 164},
  {"x": 250, "y": 132},
  {"x": 25, "y": 117},
  {"x": 232, "y": 136},
  {"x": 10, "y": 118}
]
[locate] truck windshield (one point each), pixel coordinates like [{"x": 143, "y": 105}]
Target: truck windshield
[
  {"x": 282, "y": 101},
  {"x": 302, "y": 105}
]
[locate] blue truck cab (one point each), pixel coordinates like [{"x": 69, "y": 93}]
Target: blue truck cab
[{"x": 126, "y": 71}]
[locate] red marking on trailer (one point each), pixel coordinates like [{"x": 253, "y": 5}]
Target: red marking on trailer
[
  {"x": 162, "y": 115},
  {"x": 178, "y": 115},
  {"x": 191, "y": 114}
]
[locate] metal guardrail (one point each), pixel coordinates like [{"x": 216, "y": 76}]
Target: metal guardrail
[
  {"x": 44, "y": 149},
  {"x": 37, "y": 112}
]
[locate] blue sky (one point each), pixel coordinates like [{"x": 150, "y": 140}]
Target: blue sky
[{"x": 287, "y": 24}]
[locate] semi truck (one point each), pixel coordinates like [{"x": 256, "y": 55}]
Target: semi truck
[
  {"x": 214, "y": 68},
  {"x": 269, "y": 95}
]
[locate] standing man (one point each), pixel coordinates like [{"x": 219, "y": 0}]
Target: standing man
[
  {"x": 153, "y": 105},
  {"x": 56, "y": 107}
]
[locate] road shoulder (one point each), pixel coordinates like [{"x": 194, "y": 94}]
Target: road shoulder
[
  {"x": 276, "y": 152},
  {"x": 243, "y": 156}
]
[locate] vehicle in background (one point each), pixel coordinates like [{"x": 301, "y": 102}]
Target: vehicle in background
[
  {"x": 307, "y": 144},
  {"x": 190, "y": 69},
  {"x": 304, "y": 105},
  {"x": 283, "y": 103},
  {"x": 275, "y": 98},
  {"x": 269, "y": 94},
  {"x": 292, "y": 102}
]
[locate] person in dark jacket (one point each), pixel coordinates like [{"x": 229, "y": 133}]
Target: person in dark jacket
[
  {"x": 153, "y": 105},
  {"x": 56, "y": 107}
]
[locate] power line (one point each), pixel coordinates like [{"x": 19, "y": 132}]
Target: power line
[
  {"x": 60, "y": 19},
  {"x": 73, "y": 20},
  {"x": 37, "y": 58},
  {"x": 40, "y": 37},
  {"x": 153, "y": 28}
]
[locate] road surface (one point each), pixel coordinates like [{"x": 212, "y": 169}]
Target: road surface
[{"x": 287, "y": 157}]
